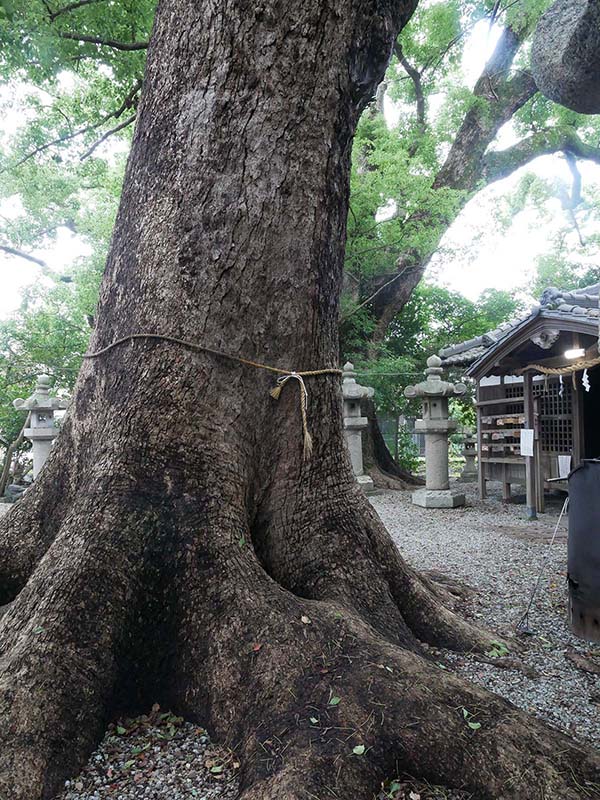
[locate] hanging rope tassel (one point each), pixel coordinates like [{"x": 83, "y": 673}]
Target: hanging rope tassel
[{"x": 275, "y": 394}]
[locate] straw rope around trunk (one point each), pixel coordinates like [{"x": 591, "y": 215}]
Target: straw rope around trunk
[{"x": 285, "y": 375}]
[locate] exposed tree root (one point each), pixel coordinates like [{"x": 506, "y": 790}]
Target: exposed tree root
[
  {"x": 383, "y": 480},
  {"x": 62, "y": 648},
  {"x": 454, "y": 588},
  {"x": 33, "y": 522},
  {"x": 318, "y": 680},
  {"x": 322, "y": 683},
  {"x": 336, "y": 548}
]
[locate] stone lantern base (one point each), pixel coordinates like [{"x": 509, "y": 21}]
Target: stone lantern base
[
  {"x": 366, "y": 483},
  {"x": 438, "y": 498},
  {"x": 468, "y": 477}
]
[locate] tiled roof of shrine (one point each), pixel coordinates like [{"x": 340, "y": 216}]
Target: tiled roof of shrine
[{"x": 557, "y": 305}]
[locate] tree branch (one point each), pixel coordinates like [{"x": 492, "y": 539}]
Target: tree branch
[
  {"x": 415, "y": 77},
  {"x": 498, "y": 164},
  {"x": 128, "y": 46},
  {"x": 106, "y": 135},
  {"x": 434, "y": 62},
  {"x": 351, "y": 313},
  {"x": 575, "y": 198},
  {"x": 500, "y": 97},
  {"x": 13, "y": 251},
  {"x": 68, "y": 8},
  {"x": 129, "y": 101}
]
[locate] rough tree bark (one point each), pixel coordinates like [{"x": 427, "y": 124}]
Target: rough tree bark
[{"x": 176, "y": 526}]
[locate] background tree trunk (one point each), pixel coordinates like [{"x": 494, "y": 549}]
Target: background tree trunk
[
  {"x": 378, "y": 460},
  {"x": 177, "y": 548}
]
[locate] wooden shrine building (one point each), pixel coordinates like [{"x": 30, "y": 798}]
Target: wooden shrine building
[{"x": 538, "y": 393}]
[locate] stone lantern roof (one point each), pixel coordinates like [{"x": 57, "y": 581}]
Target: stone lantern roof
[
  {"x": 350, "y": 388},
  {"x": 40, "y": 400},
  {"x": 433, "y": 385}
]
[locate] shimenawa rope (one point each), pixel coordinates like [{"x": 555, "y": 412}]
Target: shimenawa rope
[
  {"x": 576, "y": 366},
  {"x": 285, "y": 374}
]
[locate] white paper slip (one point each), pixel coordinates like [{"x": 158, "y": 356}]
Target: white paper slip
[
  {"x": 564, "y": 466},
  {"x": 527, "y": 441}
]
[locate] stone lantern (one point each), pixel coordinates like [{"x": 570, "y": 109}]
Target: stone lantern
[
  {"x": 469, "y": 473},
  {"x": 42, "y": 430},
  {"x": 354, "y": 423},
  {"x": 436, "y": 426}
]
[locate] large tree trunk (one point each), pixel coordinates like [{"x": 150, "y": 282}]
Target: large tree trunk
[{"x": 177, "y": 547}]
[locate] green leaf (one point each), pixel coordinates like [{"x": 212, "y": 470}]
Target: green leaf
[
  {"x": 466, "y": 713},
  {"x": 217, "y": 769},
  {"x": 7, "y": 9},
  {"x": 121, "y": 730},
  {"x": 128, "y": 764},
  {"x": 334, "y": 701},
  {"x": 474, "y": 725},
  {"x": 358, "y": 750},
  {"x": 498, "y": 649},
  {"x": 314, "y": 720}
]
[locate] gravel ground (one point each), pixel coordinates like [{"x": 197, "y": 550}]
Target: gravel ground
[
  {"x": 155, "y": 757},
  {"x": 491, "y": 547}
]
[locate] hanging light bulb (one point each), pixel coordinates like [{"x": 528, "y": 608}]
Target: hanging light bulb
[{"x": 576, "y": 352}]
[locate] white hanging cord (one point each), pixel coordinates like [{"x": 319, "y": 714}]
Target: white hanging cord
[
  {"x": 585, "y": 380},
  {"x": 522, "y": 625}
]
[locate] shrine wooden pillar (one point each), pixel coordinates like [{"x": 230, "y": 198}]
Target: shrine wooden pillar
[
  {"x": 480, "y": 464},
  {"x": 530, "y": 461}
]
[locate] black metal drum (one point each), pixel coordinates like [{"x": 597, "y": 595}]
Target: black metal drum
[{"x": 584, "y": 550}]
